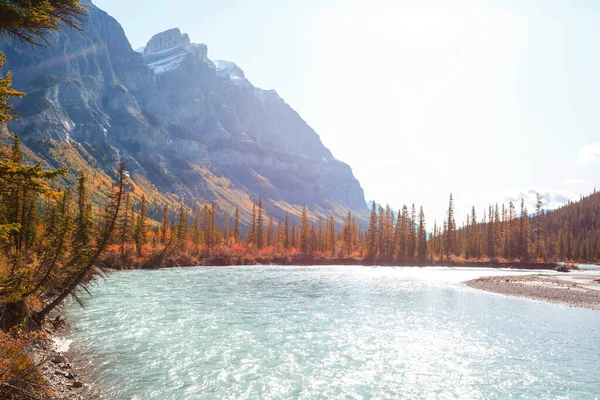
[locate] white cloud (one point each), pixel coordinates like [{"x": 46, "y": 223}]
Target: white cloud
[
  {"x": 589, "y": 154},
  {"x": 551, "y": 199}
]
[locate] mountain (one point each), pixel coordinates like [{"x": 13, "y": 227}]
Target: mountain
[{"x": 187, "y": 127}]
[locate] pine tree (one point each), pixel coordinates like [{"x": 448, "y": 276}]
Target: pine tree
[
  {"x": 372, "y": 233},
  {"x": 412, "y": 241},
  {"x": 84, "y": 269},
  {"x": 141, "y": 228},
  {"x": 6, "y": 93},
  {"x": 331, "y": 235},
  {"x": 422, "y": 237},
  {"x": 304, "y": 231},
  {"x": 226, "y": 229},
  {"x": 125, "y": 224},
  {"x": 252, "y": 233},
  {"x": 497, "y": 234},
  {"x": 349, "y": 233},
  {"x": 434, "y": 240},
  {"x": 210, "y": 226},
  {"x": 236, "y": 225},
  {"x": 286, "y": 233},
  {"x": 404, "y": 237},
  {"x": 491, "y": 240},
  {"x": 536, "y": 229},
  {"x": 270, "y": 232},
  {"x": 279, "y": 236},
  {"x": 450, "y": 230},
  {"x": 165, "y": 225},
  {"x": 513, "y": 232},
  {"x": 197, "y": 228},
  {"x": 260, "y": 226},
  {"x": 313, "y": 240},
  {"x": 320, "y": 235},
  {"x": 524, "y": 233},
  {"x": 182, "y": 228},
  {"x": 30, "y": 21},
  {"x": 58, "y": 234},
  {"x": 474, "y": 239},
  {"x": 82, "y": 236}
]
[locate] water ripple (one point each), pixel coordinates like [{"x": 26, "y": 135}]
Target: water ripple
[{"x": 330, "y": 332}]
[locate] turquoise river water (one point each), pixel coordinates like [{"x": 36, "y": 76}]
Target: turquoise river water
[{"x": 269, "y": 332}]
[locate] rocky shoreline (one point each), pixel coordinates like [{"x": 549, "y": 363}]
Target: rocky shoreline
[
  {"x": 570, "y": 290},
  {"x": 64, "y": 378}
]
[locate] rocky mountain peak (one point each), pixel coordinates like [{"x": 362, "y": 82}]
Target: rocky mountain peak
[
  {"x": 167, "y": 40},
  {"x": 182, "y": 123},
  {"x": 170, "y": 47}
]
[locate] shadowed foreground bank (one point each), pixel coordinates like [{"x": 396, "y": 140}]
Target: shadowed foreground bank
[{"x": 569, "y": 290}]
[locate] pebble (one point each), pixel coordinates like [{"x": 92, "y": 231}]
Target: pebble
[
  {"x": 77, "y": 384},
  {"x": 59, "y": 359}
]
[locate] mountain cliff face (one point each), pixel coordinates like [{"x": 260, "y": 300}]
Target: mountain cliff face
[{"x": 182, "y": 123}]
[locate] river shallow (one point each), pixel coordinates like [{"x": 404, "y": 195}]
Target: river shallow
[{"x": 329, "y": 332}]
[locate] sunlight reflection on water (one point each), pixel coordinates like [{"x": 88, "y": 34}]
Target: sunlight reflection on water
[{"x": 330, "y": 332}]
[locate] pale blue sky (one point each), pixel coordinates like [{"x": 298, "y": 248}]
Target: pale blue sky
[{"x": 486, "y": 99}]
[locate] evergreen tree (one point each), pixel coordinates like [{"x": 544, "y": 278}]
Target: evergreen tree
[
  {"x": 30, "y": 21},
  {"x": 286, "y": 234},
  {"x": 165, "y": 225},
  {"x": 6, "y": 93},
  {"x": 197, "y": 228},
  {"x": 82, "y": 236},
  {"x": 252, "y": 233},
  {"x": 422, "y": 237},
  {"x": 450, "y": 230},
  {"x": 304, "y": 231},
  {"x": 349, "y": 234},
  {"x": 270, "y": 232},
  {"x": 260, "y": 226},
  {"x": 141, "y": 228},
  {"x": 280, "y": 233},
  {"x": 498, "y": 241},
  {"x": 125, "y": 223},
  {"x": 225, "y": 229},
  {"x": 524, "y": 233},
  {"x": 182, "y": 228},
  {"x": 313, "y": 240},
  {"x": 372, "y": 233},
  {"x": 412, "y": 231},
  {"x": 83, "y": 270},
  {"x": 331, "y": 235},
  {"x": 236, "y": 225}
]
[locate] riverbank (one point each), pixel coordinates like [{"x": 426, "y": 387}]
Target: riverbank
[
  {"x": 162, "y": 260},
  {"x": 565, "y": 289},
  {"x": 64, "y": 378}
]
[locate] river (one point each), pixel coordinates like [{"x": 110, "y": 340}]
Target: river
[{"x": 329, "y": 332}]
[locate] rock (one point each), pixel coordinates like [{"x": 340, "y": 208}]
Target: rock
[
  {"x": 77, "y": 384},
  {"x": 167, "y": 40},
  {"x": 59, "y": 359}
]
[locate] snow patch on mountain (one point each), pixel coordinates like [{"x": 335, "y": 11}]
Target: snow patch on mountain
[{"x": 234, "y": 72}]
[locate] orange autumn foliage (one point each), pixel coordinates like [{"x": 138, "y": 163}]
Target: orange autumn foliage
[{"x": 19, "y": 375}]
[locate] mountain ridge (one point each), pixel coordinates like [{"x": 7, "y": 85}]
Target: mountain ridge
[{"x": 194, "y": 129}]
